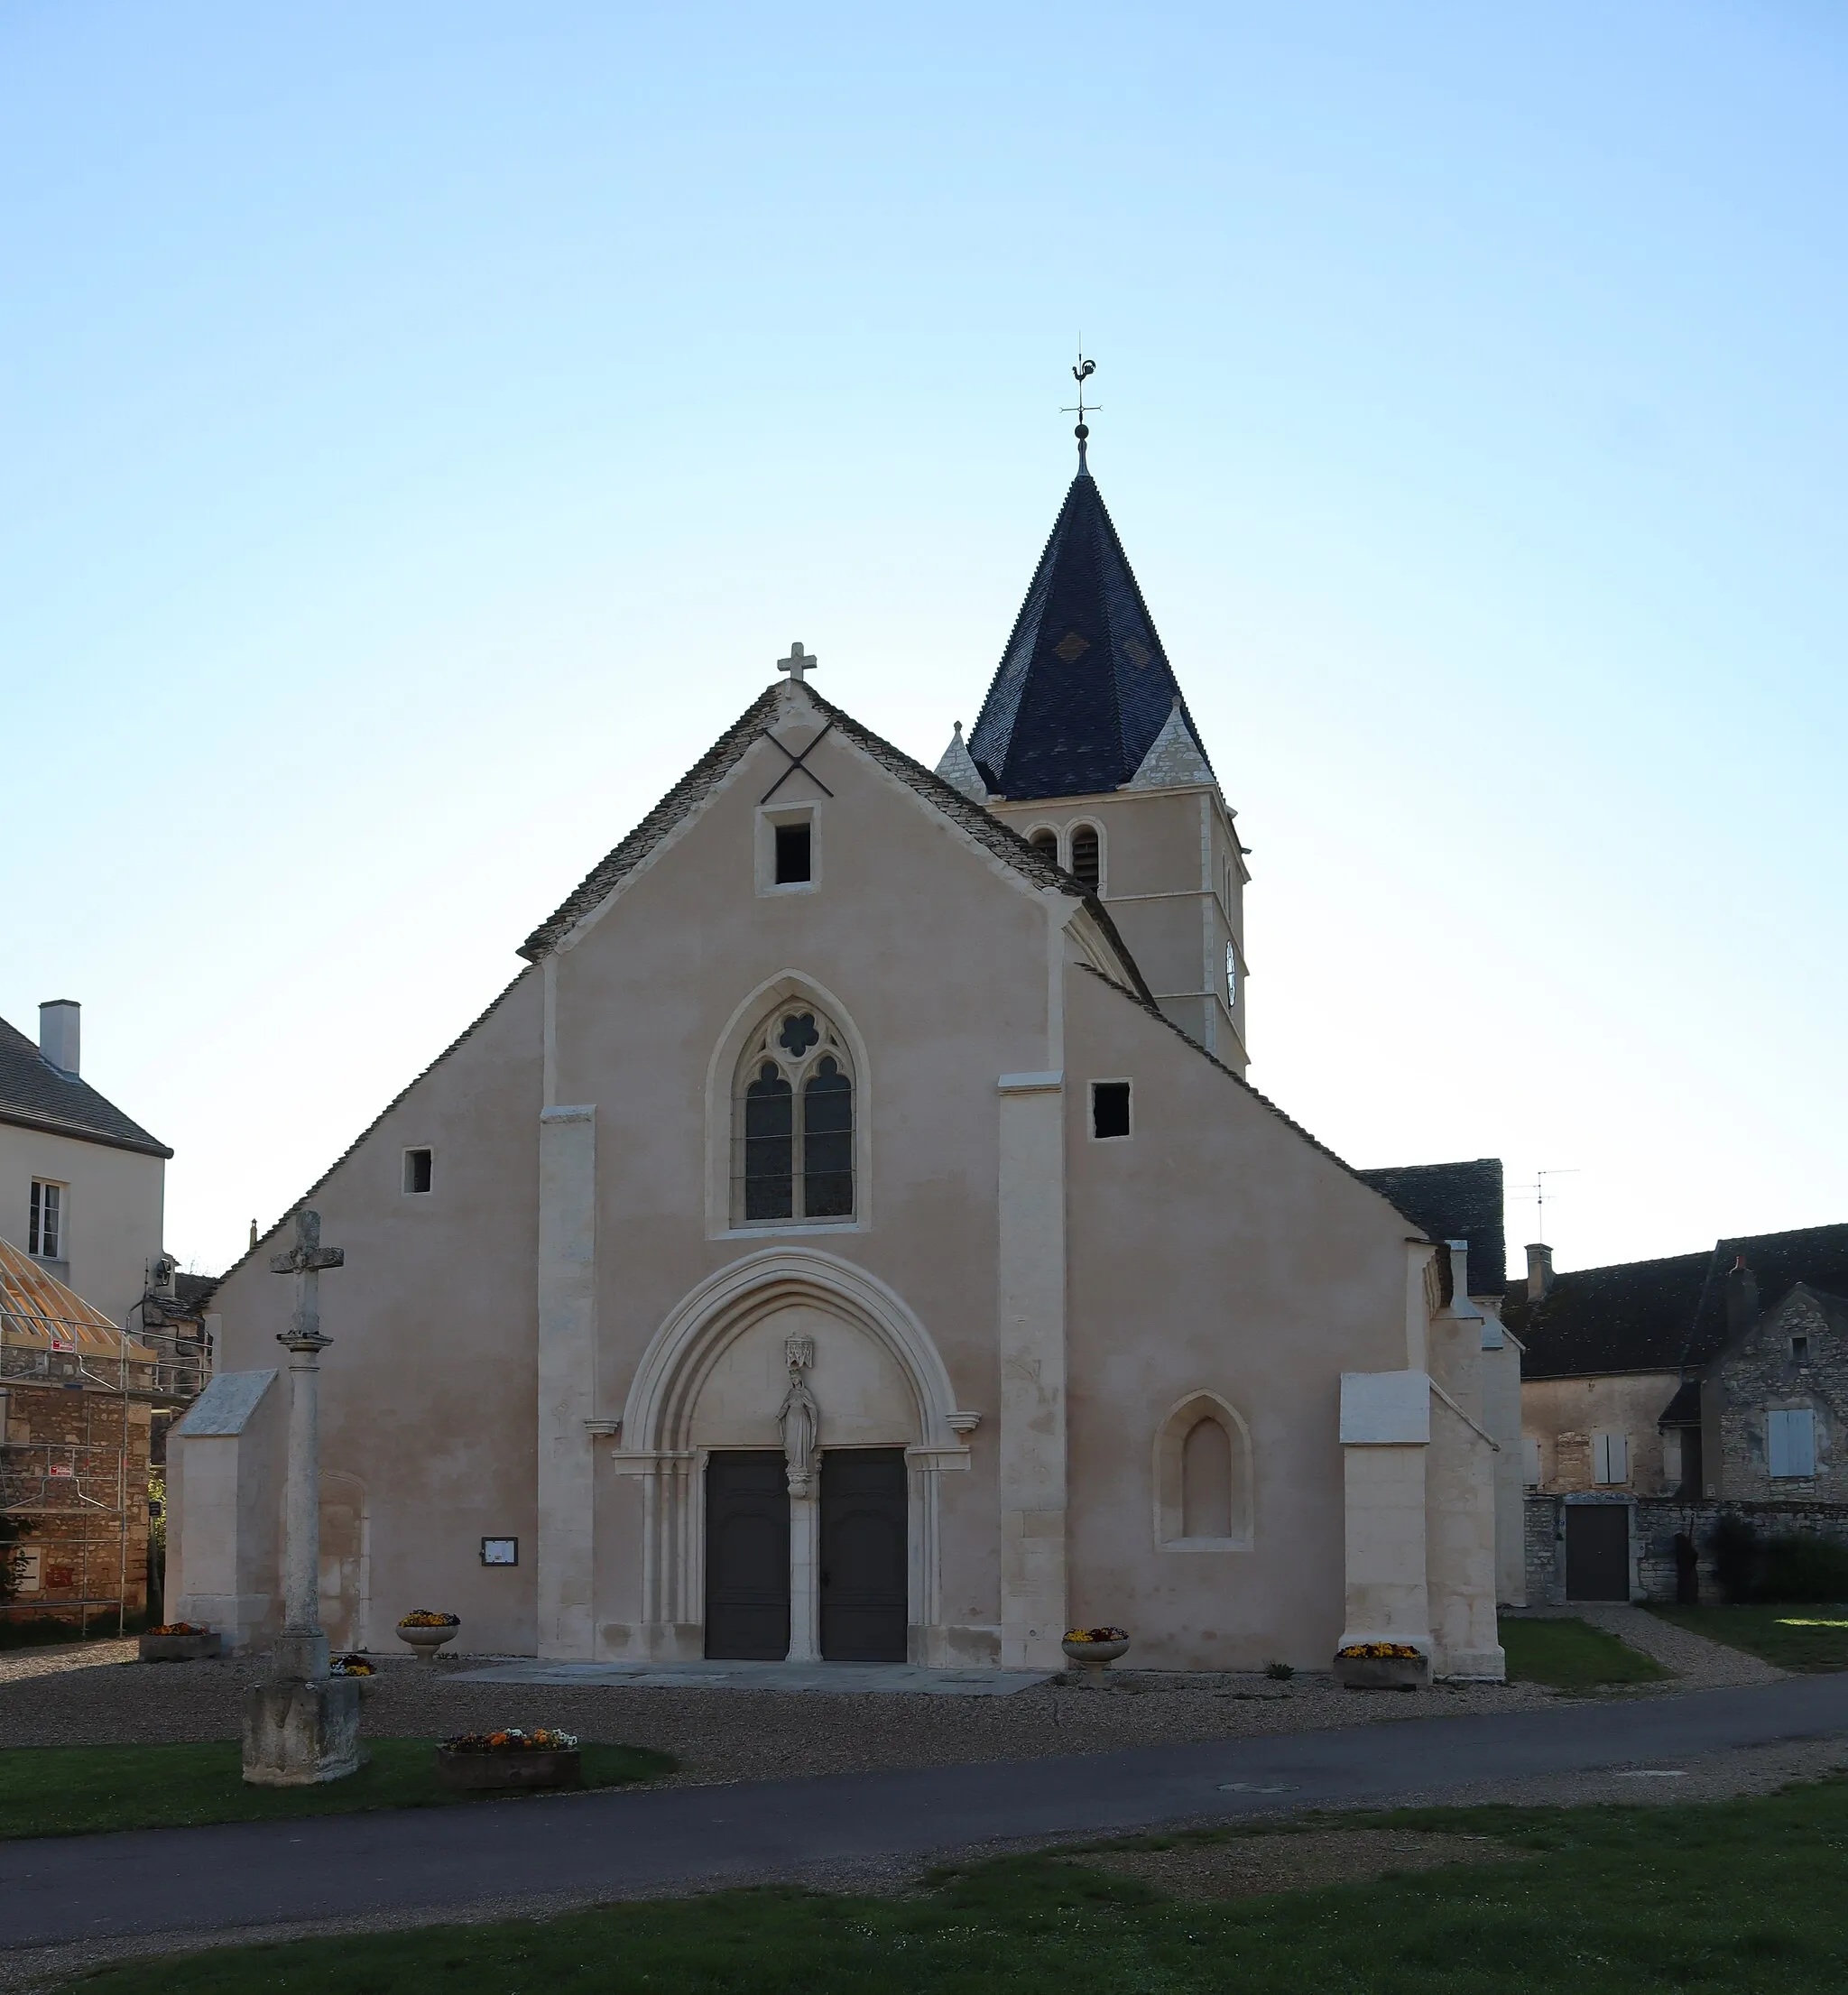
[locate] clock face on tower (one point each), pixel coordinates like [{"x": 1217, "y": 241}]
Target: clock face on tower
[{"x": 1231, "y": 975}]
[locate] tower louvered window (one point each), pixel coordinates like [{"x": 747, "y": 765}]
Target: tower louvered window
[
  {"x": 1087, "y": 855},
  {"x": 792, "y": 1118}
]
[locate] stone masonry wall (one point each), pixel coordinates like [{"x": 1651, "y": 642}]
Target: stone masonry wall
[
  {"x": 1654, "y": 1524},
  {"x": 71, "y": 1457},
  {"x": 1758, "y": 1375}
]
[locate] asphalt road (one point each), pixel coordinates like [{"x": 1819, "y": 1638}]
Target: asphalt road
[{"x": 62, "y": 1889}]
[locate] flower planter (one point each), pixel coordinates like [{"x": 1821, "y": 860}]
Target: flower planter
[
  {"x": 514, "y": 1770},
  {"x": 426, "y": 1642},
  {"x": 1383, "y": 1672},
  {"x": 1093, "y": 1659},
  {"x": 181, "y": 1647}
]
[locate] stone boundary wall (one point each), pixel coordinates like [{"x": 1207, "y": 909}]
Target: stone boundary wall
[{"x": 1654, "y": 1522}]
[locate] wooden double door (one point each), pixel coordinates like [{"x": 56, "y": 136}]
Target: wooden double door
[{"x": 863, "y": 1570}]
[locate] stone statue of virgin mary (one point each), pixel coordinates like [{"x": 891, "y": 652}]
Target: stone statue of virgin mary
[{"x": 799, "y": 1417}]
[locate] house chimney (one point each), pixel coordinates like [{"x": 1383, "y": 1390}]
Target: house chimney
[
  {"x": 58, "y": 1032},
  {"x": 1540, "y": 1270},
  {"x": 1742, "y": 1299}
]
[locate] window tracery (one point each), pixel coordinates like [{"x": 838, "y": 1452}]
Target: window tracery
[{"x": 792, "y": 1120}]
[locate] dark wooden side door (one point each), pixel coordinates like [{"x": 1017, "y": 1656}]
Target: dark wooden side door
[
  {"x": 1597, "y": 1551},
  {"x": 747, "y": 1555},
  {"x": 863, "y": 1555}
]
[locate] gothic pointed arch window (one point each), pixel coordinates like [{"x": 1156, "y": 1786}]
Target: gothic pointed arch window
[{"x": 793, "y": 1122}]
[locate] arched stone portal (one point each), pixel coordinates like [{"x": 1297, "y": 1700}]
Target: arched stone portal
[{"x": 801, "y": 1353}]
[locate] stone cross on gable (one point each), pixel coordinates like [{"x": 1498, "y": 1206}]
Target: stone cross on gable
[
  {"x": 798, "y": 663},
  {"x": 304, "y": 1260}
]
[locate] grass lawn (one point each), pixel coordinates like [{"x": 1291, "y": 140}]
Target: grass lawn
[
  {"x": 1573, "y": 1654},
  {"x": 1794, "y": 1637},
  {"x": 1739, "y": 1898},
  {"x": 74, "y": 1790}
]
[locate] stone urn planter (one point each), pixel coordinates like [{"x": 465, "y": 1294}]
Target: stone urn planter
[
  {"x": 1382, "y": 1666},
  {"x": 547, "y": 1760},
  {"x": 356, "y": 1669},
  {"x": 1093, "y": 1650},
  {"x": 427, "y": 1635},
  {"x": 180, "y": 1643}
]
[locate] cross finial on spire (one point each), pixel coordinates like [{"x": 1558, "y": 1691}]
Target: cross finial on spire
[
  {"x": 1081, "y": 374},
  {"x": 798, "y": 663}
]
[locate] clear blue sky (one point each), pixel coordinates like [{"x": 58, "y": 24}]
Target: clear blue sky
[{"x": 422, "y": 426}]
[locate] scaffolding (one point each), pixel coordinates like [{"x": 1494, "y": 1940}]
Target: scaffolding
[{"x": 65, "y": 1461}]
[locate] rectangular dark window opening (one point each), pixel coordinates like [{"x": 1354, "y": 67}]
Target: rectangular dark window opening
[
  {"x": 417, "y": 1170},
  {"x": 1110, "y": 1108},
  {"x": 793, "y": 855},
  {"x": 1800, "y": 1350}
]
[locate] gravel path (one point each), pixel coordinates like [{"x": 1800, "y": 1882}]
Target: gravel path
[
  {"x": 725, "y": 1735},
  {"x": 1700, "y": 1664}
]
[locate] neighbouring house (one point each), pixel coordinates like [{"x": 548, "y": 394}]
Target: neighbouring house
[
  {"x": 851, "y": 1236},
  {"x": 82, "y": 1190},
  {"x": 1604, "y": 1353},
  {"x": 81, "y": 1186},
  {"x": 76, "y": 1402},
  {"x": 1687, "y": 1385}
]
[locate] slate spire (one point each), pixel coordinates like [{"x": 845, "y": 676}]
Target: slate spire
[{"x": 1083, "y": 686}]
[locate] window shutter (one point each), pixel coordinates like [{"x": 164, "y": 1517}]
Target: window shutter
[
  {"x": 1530, "y": 1459},
  {"x": 1610, "y": 1458},
  {"x": 1790, "y": 1441}
]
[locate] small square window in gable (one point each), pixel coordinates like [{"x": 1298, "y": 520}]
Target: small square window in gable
[
  {"x": 1110, "y": 1109},
  {"x": 417, "y": 1170}
]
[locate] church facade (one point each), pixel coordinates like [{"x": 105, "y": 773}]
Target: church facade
[{"x": 851, "y": 1236}]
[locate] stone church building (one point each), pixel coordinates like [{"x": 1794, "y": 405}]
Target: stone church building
[{"x": 851, "y": 1236}]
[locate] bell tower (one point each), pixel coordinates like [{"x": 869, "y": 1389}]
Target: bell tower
[{"x": 1086, "y": 747}]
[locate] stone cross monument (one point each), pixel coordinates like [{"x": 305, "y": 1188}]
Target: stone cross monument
[{"x": 303, "y": 1726}]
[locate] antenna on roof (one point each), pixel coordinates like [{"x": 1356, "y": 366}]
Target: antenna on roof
[
  {"x": 1081, "y": 374},
  {"x": 1539, "y": 1190}
]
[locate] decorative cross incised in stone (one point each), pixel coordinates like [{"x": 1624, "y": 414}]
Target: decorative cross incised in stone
[
  {"x": 798, "y": 663},
  {"x": 302, "y": 1651}
]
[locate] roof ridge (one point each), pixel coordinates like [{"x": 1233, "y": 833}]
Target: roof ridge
[
  {"x": 467, "y": 1033},
  {"x": 718, "y": 761},
  {"x": 1315, "y": 1142}
]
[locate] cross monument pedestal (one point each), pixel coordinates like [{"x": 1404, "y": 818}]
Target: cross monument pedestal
[{"x": 303, "y": 1726}]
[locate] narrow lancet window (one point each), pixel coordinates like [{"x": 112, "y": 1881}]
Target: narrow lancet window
[
  {"x": 828, "y": 1142},
  {"x": 769, "y": 1146}
]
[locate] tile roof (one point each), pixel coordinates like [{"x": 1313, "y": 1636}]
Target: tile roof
[
  {"x": 1815, "y": 1256},
  {"x": 191, "y": 1291},
  {"x": 1459, "y": 1201},
  {"x": 1083, "y": 686},
  {"x": 1664, "y": 1316},
  {"x": 711, "y": 770},
  {"x": 1632, "y": 1317},
  {"x": 35, "y": 1094}
]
